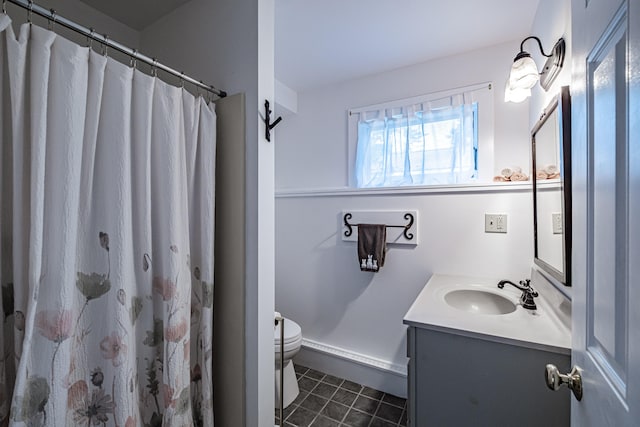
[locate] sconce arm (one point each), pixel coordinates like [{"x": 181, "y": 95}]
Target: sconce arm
[{"x": 539, "y": 44}]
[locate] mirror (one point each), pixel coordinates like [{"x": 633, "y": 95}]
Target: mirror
[{"x": 551, "y": 156}]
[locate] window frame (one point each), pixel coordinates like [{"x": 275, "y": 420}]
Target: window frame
[{"x": 481, "y": 93}]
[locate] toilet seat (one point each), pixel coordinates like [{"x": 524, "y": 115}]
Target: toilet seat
[
  {"x": 292, "y": 333},
  {"x": 292, "y": 339}
]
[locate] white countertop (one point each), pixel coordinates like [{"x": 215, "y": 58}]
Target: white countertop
[{"x": 540, "y": 329}]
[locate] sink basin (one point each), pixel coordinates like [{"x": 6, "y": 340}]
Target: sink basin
[{"x": 479, "y": 301}]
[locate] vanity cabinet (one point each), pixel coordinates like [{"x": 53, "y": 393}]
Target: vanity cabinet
[
  {"x": 458, "y": 380},
  {"x": 477, "y": 357}
]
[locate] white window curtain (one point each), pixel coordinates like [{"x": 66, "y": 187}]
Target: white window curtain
[
  {"x": 426, "y": 143},
  {"x": 107, "y": 240}
]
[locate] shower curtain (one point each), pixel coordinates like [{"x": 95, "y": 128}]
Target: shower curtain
[{"x": 106, "y": 252}]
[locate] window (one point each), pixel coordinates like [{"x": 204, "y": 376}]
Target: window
[{"x": 429, "y": 141}]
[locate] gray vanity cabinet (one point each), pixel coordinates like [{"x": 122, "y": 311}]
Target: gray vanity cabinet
[{"x": 461, "y": 380}]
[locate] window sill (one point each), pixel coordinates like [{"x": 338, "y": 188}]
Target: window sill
[{"x": 487, "y": 187}]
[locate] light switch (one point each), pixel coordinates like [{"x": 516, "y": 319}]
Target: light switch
[
  {"x": 495, "y": 223},
  {"x": 556, "y": 222}
]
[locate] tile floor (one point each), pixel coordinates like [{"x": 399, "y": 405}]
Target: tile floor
[{"x": 328, "y": 401}]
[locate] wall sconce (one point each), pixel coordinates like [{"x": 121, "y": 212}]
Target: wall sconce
[{"x": 524, "y": 72}]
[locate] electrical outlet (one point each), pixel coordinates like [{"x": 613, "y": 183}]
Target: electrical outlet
[
  {"x": 495, "y": 223},
  {"x": 556, "y": 222}
]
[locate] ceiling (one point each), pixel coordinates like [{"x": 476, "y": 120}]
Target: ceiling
[
  {"x": 137, "y": 14},
  {"x": 322, "y": 42},
  {"x": 319, "y": 42}
]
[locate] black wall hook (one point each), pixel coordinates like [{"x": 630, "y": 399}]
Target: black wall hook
[{"x": 267, "y": 119}]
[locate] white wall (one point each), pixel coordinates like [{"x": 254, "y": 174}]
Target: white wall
[
  {"x": 318, "y": 282},
  {"x": 312, "y": 151},
  {"x": 215, "y": 41},
  {"x": 320, "y": 286},
  {"x": 552, "y": 21}
]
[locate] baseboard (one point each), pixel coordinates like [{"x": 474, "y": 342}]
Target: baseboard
[{"x": 370, "y": 371}]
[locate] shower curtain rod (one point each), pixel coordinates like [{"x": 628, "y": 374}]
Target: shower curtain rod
[{"x": 52, "y": 16}]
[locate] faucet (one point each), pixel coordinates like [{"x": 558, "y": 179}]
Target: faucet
[{"x": 527, "y": 293}]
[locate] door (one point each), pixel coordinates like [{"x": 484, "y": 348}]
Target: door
[{"x": 606, "y": 210}]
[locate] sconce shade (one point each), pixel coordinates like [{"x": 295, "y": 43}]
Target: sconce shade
[
  {"x": 524, "y": 73},
  {"x": 515, "y": 94}
]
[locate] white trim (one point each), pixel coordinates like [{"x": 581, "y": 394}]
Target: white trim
[
  {"x": 508, "y": 187},
  {"x": 352, "y": 356},
  {"x": 421, "y": 98}
]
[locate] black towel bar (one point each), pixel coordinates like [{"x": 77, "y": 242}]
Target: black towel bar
[{"x": 407, "y": 216}]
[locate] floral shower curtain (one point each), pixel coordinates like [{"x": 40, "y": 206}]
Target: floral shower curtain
[{"x": 106, "y": 250}]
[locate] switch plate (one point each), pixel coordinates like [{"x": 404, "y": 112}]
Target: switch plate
[
  {"x": 556, "y": 222},
  {"x": 495, "y": 223}
]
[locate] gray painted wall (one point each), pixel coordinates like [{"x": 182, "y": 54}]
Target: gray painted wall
[{"x": 229, "y": 292}]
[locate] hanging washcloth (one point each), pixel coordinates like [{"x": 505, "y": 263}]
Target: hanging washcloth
[{"x": 372, "y": 246}]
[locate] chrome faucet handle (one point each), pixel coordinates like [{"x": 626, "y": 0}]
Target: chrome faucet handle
[
  {"x": 527, "y": 300},
  {"x": 528, "y": 293},
  {"x": 526, "y": 284}
]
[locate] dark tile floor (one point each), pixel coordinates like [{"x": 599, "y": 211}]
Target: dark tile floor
[{"x": 328, "y": 401}]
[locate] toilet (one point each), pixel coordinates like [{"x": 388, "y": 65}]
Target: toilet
[{"x": 292, "y": 343}]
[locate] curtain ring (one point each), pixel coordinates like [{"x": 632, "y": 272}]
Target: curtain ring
[
  {"x": 4, "y": 7},
  {"x": 182, "y": 79},
  {"x": 205, "y": 94},
  {"x": 154, "y": 68},
  {"x": 29, "y": 10},
  {"x": 105, "y": 46},
  {"x": 52, "y": 21},
  {"x": 212, "y": 94},
  {"x": 90, "y": 38},
  {"x": 134, "y": 62}
]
